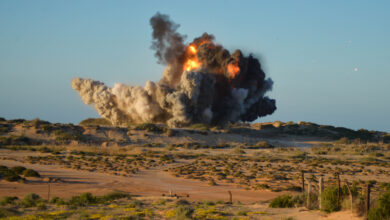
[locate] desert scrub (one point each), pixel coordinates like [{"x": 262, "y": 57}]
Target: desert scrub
[
  {"x": 183, "y": 212},
  {"x": 149, "y": 127},
  {"x": 329, "y": 199},
  {"x": 31, "y": 200},
  {"x": 381, "y": 209},
  {"x": 57, "y": 200},
  {"x": 8, "y": 200},
  {"x": 114, "y": 196},
  {"x": 5, "y": 128},
  {"x": 261, "y": 145},
  {"x": 95, "y": 122},
  {"x": 65, "y": 136},
  {"x": 238, "y": 150},
  {"x": 11, "y": 175},
  {"x": 7, "y": 212},
  {"x": 212, "y": 182},
  {"x": 30, "y": 173},
  {"x": 86, "y": 199},
  {"x": 82, "y": 200},
  {"x": 283, "y": 201},
  {"x": 18, "y": 169},
  {"x": 17, "y": 140},
  {"x": 200, "y": 127}
]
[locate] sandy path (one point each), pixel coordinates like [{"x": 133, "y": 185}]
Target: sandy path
[{"x": 153, "y": 182}]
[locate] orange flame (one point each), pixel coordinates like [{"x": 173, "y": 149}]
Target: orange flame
[
  {"x": 192, "y": 61},
  {"x": 233, "y": 69},
  {"x": 193, "y": 49}
]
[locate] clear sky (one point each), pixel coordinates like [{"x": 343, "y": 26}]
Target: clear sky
[{"x": 330, "y": 60}]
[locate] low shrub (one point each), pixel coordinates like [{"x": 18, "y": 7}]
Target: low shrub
[
  {"x": 30, "y": 173},
  {"x": 343, "y": 140},
  {"x": 4, "y": 212},
  {"x": 65, "y": 136},
  {"x": 149, "y": 127},
  {"x": 18, "y": 169},
  {"x": 57, "y": 201},
  {"x": 283, "y": 201},
  {"x": 114, "y": 196},
  {"x": 381, "y": 209},
  {"x": 96, "y": 122},
  {"x": 329, "y": 199},
  {"x": 6, "y": 200},
  {"x": 82, "y": 200},
  {"x": 13, "y": 178},
  {"x": 17, "y": 140},
  {"x": 9, "y": 174},
  {"x": 261, "y": 145},
  {"x": 30, "y": 200},
  {"x": 4, "y": 128},
  {"x": 200, "y": 127},
  {"x": 183, "y": 212}
]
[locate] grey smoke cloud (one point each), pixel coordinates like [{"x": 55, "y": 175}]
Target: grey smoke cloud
[{"x": 202, "y": 83}]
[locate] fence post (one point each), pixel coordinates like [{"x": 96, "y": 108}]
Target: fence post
[
  {"x": 338, "y": 190},
  {"x": 368, "y": 191},
  {"x": 48, "y": 191},
  {"x": 350, "y": 195},
  {"x": 303, "y": 180},
  {"x": 230, "y": 197},
  {"x": 320, "y": 189},
  {"x": 308, "y": 205}
]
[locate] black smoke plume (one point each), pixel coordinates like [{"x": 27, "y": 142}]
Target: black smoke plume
[{"x": 202, "y": 83}]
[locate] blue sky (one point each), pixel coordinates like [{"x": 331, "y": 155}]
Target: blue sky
[{"x": 330, "y": 60}]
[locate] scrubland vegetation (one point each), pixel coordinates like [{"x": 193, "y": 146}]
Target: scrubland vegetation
[{"x": 260, "y": 164}]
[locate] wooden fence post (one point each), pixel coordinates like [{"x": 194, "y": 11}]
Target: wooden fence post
[
  {"x": 308, "y": 202},
  {"x": 320, "y": 189},
  {"x": 338, "y": 190},
  {"x": 350, "y": 195},
  {"x": 368, "y": 191},
  {"x": 303, "y": 180},
  {"x": 230, "y": 197},
  {"x": 48, "y": 191}
]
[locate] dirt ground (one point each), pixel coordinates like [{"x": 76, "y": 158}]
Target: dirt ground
[
  {"x": 152, "y": 182},
  {"x": 148, "y": 183}
]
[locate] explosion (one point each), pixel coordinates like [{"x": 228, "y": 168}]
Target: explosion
[{"x": 202, "y": 83}]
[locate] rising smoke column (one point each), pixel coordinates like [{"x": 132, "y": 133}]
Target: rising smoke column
[{"x": 202, "y": 83}]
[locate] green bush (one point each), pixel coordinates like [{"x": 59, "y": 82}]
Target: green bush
[
  {"x": 381, "y": 209},
  {"x": 18, "y": 169},
  {"x": 343, "y": 140},
  {"x": 329, "y": 199},
  {"x": 283, "y": 201},
  {"x": 114, "y": 196},
  {"x": 4, "y": 212},
  {"x": 82, "y": 200},
  {"x": 30, "y": 173},
  {"x": 64, "y": 136},
  {"x": 9, "y": 174},
  {"x": 149, "y": 127},
  {"x": 30, "y": 200},
  {"x": 57, "y": 200},
  {"x": 13, "y": 177},
  {"x": 200, "y": 127},
  {"x": 238, "y": 150},
  {"x": 386, "y": 138},
  {"x": 96, "y": 122},
  {"x": 17, "y": 140},
  {"x": 4, "y": 128},
  {"x": 183, "y": 212},
  {"x": 261, "y": 145},
  {"x": 8, "y": 200}
]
